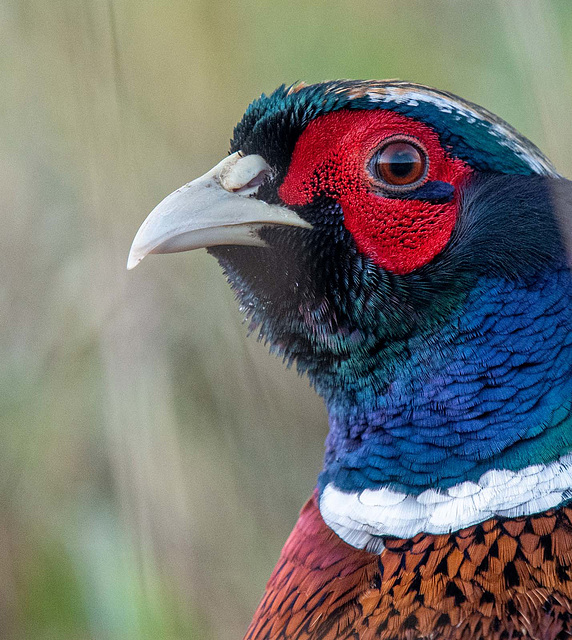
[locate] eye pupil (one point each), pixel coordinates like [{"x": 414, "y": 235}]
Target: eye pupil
[{"x": 400, "y": 164}]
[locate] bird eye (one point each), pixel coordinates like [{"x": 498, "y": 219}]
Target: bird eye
[{"x": 399, "y": 165}]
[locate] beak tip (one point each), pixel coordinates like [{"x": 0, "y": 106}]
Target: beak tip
[{"x": 133, "y": 260}]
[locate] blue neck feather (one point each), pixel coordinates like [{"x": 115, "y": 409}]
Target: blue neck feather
[
  {"x": 492, "y": 388},
  {"x": 432, "y": 378}
]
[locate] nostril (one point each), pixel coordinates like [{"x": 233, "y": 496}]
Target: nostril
[
  {"x": 252, "y": 186},
  {"x": 245, "y": 175}
]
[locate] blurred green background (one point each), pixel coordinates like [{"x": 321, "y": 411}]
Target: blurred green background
[{"x": 152, "y": 459}]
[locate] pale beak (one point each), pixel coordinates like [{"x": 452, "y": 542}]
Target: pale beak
[{"x": 217, "y": 208}]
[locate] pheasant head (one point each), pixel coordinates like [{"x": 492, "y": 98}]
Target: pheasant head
[{"x": 404, "y": 248}]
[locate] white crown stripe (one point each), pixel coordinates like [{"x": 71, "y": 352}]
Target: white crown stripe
[
  {"x": 506, "y": 135},
  {"x": 362, "y": 518}
]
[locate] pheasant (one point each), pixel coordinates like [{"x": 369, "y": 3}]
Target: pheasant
[{"x": 407, "y": 250}]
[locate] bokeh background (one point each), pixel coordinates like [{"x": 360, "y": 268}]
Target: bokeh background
[{"x": 152, "y": 458}]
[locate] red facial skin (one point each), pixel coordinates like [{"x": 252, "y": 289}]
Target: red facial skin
[{"x": 331, "y": 158}]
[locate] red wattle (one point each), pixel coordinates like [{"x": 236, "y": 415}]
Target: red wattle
[{"x": 331, "y": 158}]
